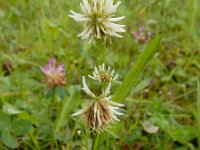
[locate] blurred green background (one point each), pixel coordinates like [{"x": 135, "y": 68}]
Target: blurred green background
[{"x": 32, "y": 31}]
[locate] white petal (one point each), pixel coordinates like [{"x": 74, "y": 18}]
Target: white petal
[
  {"x": 107, "y": 91},
  {"x": 98, "y": 34},
  {"x": 116, "y": 35},
  {"x": 87, "y": 6},
  {"x": 80, "y": 112},
  {"x": 88, "y": 34},
  {"x": 84, "y": 32},
  {"x": 103, "y": 67},
  {"x": 98, "y": 117},
  {"x": 114, "y": 117},
  {"x": 117, "y": 5},
  {"x": 95, "y": 76},
  {"x": 117, "y": 113},
  {"x": 87, "y": 90},
  {"x": 113, "y": 107},
  {"x": 77, "y": 14},
  {"x": 115, "y": 77},
  {"x": 80, "y": 19},
  {"x": 108, "y": 98},
  {"x": 95, "y": 6},
  {"x": 112, "y": 72},
  {"x": 95, "y": 109},
  {"x": 96, "y": 70},
  {"x": 92, "y": 77},
  {"x": 108, "y": 69},
  {"x": 101, "y": 2},
  {"x": 100, "y": 68},
  {"x": 116, "y": 19},
  {"x": 115, "y": 104}
]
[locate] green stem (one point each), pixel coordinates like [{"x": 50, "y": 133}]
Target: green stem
[
  {"x": 95, "y": 142},
  {"x": 34, "y": 140},
  {"x": 105, "y": 51},
  {"x": 1, "y": 145},
  {"x": 49, "y": 115},
  {"x": 50, "y": 105}
]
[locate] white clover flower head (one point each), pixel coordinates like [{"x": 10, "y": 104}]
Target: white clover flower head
[
  {"x": 101, "y": 111},
  {"x": 98, "y": 18},
  {"x": 103, "y": 74}
]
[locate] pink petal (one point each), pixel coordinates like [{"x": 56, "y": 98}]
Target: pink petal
[
  {"x": 141, "y": 28},
  {"x": 52, "y": 65},
  {"x": 60, "y": 68},
  {"x": 45, "y": 70}
]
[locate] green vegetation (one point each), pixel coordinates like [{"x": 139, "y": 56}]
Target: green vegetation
[{"x": 158, "y": 79}]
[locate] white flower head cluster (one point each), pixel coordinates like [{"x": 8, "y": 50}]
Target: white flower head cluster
[
  {"x": 103, "y": 74},
  {"x": 101, "y": 111},
  {"x": 98, "y": 18}
]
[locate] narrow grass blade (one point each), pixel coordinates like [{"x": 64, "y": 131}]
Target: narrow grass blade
[
  {"x": 193, "y": 22},
  {"x": 68, "y": 105},
  {"x": 198, "y": 110},
  {"x": 135, "y": 72},
  {"x": 34, "y": 140}
]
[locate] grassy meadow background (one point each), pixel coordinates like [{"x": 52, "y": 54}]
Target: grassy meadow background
[{"x": 33, "y": 31}]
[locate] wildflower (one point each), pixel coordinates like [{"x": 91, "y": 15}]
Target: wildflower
[
  {"x": 101, "y": 111},
  {"x": 55, "y": 74},
  {"x": 103, "y": 74},
  {"x": 98, "y": 19},
  {"x": 141, "y": 36}
]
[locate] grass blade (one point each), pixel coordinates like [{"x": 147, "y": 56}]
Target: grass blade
[
  {"x": 198, "y": 110},
  {"x": 136, "y": 70},
  {"x": 68, "y": 105}
]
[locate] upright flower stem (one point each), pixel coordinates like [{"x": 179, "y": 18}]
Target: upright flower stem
[
  {"x": 105, "y": 51},
  {"x": 52, "y": 101},
  {"x": 95, "y": 142}
]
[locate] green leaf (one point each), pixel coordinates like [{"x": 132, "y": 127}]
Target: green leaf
[
  {"x": 182, "y": 148},
  {"x": 9, "y": 140},
  {"x": 59, "y": 91},
  {"x": 27, "y": 116},
  {"x": 183, "y": 133},
  {"x": 116, "y": 129},
  {"x": 5, "y": 122},
  {"x": 21, "y": 127},
  {"x": 161, "y": 121},
  {"x": 141, "y": 86},
  {"x": 10, "y": 109},
  {"x": 135, "y": 72},
  {"x": 68, "y": 105},
  {"x": 50, "y": 92}
]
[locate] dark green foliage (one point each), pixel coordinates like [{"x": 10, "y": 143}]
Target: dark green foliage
[{"x": 165, "y": 95}]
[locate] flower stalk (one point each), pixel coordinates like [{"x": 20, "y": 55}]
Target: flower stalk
[{"x": 95, "y": 142}]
